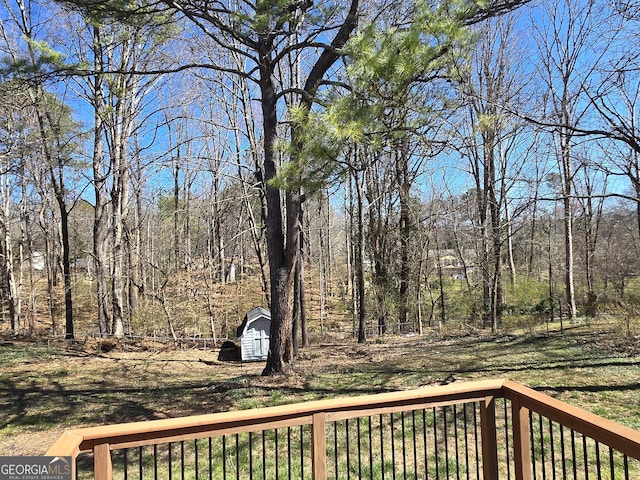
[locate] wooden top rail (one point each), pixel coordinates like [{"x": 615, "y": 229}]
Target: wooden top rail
[
  {"x": 161, "y": 431},
  {"x": 619, "y": 437}
]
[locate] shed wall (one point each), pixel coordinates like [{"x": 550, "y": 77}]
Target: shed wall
[{"x": 254, "y": 343}]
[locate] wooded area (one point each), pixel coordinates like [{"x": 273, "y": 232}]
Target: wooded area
[{"x": 365, "y": 165}]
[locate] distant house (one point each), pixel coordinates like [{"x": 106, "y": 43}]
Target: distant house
[
  {"x": 83, "y": 263},
  {"x": 253, "y": 335},
  {"x": 451, "y": 262},
  {"x": 37, "y": 260}
]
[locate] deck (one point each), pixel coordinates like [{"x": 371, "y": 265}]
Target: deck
[{"x": 492, "y": 429}]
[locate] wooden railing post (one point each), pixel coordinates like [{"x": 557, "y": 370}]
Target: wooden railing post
[
  {"x": 319, "y": 446},
  {"x": 489, "y": 438},
  {"x": 521, "y": 440},
  {"x": 102, "y": 467},
  {"x": 67, "y": 445}
]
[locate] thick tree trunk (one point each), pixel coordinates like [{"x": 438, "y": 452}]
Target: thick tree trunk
[{"x": 280, "y": 277}]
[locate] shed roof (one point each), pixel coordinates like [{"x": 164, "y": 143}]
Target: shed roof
[{"x": 250, "y": 317}]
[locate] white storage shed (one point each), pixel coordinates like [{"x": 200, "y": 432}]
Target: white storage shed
[{"x": 253, "y": 335}]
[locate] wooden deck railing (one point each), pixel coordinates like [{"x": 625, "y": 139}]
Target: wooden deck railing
[{"x": 428, "y": 432}]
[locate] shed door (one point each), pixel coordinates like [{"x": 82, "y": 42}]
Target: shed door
[{"x": 261, "y": 338}]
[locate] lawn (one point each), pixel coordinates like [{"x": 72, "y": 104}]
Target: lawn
[{"x": 46, "y": 387}]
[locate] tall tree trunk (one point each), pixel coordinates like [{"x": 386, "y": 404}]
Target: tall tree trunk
[
  {"x": 176, "y": 210},
  {"x": 280, "y": 277},
  {"x": 134, "y": 236},
  {"x": 378, "y": 243},
  {"x": 13, "y": 290},
  {"x": 304, "y": 327},
  {"x": 323, "y": 272},
  {"x": 297, "y": 313},
  {"x": 48, "y": 265},
  {"x": 590, "y": 240},
  {"x": 496, "y": 240},
  {"x": 57, "y": 179},
  {"x": 299, "y": 307},
  {"x": 27, "y": 241},
  {"x": 123, "y": 115},
  {"x": 567, "y": 174},
  {"x": 510, "y": 256},
  {"x": 359, "y": 258},
  {"x": 66, "y": 270},
  {"x": 101, "y": 239},
  {"x": 59, "y": 191},
  {"x": 218, "y": 234},
  {"x": 481, "y": 176},
  {"x": 533, "y": 232},
  {"x": 187, "y": 241},
  {"x": 100, "y": 175},
  {"x": 349, "y": 245},
  {"x": 405, "y": 227},
  {"x": 117, "y": 233},
  {"x": 56, "y": 169}
]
